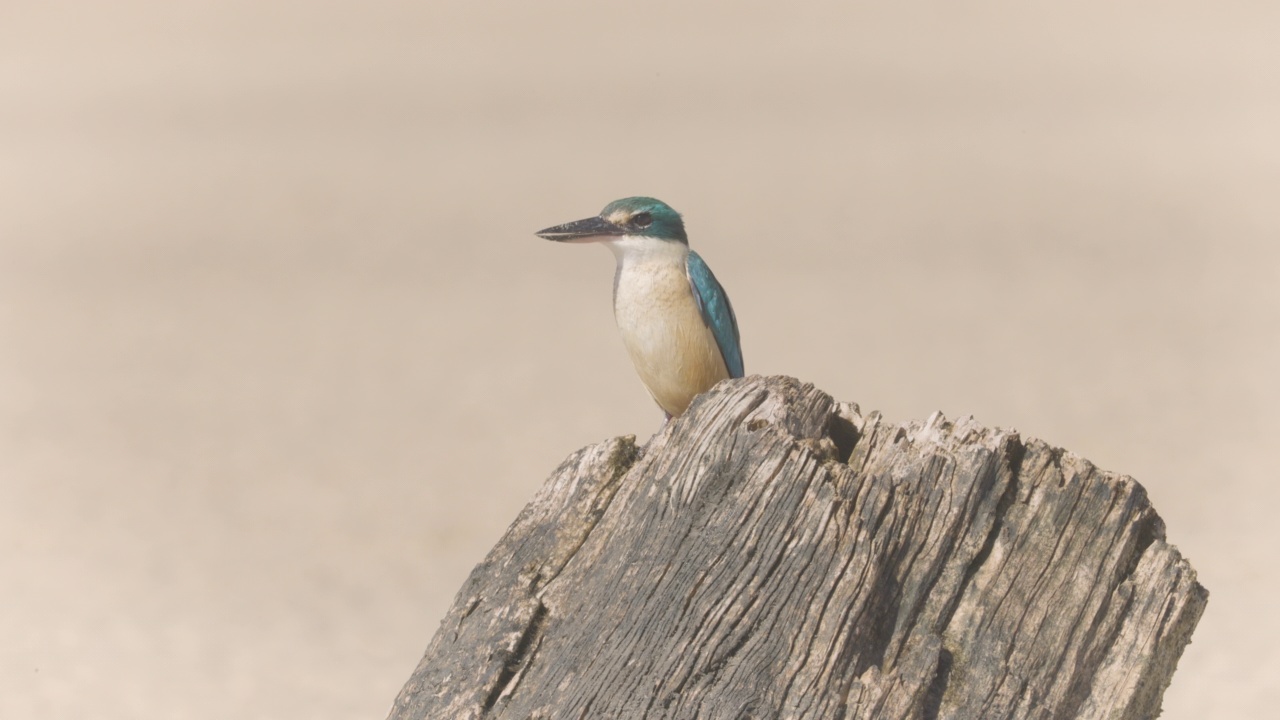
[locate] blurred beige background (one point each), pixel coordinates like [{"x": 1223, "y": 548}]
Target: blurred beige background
[{"x": 280, "y": 357}]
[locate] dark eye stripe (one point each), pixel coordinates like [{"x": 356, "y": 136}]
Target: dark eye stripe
[{"x": 642, "y": 220}]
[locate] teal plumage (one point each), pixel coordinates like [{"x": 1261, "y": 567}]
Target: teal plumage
[
  {"x": 674, "y": 316},
  {"x": 717, "y": 312}
]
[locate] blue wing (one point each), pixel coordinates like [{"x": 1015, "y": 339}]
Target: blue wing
[{"x": 716, "y": 311}]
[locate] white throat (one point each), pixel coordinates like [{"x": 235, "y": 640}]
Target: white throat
[{"x": 638, "y": 249}]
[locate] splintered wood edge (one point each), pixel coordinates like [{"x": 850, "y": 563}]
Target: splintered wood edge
[{"x": 487, "y": 642}]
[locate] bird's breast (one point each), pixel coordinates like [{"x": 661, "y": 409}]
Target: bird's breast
[{"x": 673, "y": 350}]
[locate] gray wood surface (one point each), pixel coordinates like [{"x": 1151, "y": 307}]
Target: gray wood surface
[{"x": 775, "y": 554}]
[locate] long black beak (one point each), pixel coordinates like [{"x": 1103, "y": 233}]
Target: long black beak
[{"x": 584, "y": 230}]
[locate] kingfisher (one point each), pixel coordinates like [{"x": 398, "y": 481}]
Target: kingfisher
[{"x": 675, "y": 318}]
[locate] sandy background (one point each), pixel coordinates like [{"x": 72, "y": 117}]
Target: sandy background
[{"x": 280, "y": 357}]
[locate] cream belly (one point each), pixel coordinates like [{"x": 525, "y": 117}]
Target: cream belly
[{"x": 673, "y": 350}]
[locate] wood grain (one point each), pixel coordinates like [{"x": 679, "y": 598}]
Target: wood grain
[{"x": 775, "y": 554}]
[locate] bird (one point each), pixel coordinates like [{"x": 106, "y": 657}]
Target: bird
[{"x": 674, "y": 317}]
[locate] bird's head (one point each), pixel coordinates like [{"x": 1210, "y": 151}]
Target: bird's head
[{"x": 633, "y": 217}]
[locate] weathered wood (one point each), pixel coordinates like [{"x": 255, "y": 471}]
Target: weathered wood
[{"x": 774, "y": 554}]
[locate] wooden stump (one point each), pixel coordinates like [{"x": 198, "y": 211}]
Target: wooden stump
[{"x": 774, "y": 554}]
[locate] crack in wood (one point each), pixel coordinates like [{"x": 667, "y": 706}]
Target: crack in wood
[
  {"x": 517, "y": 660},
  {"x": 775, "y": 554}
]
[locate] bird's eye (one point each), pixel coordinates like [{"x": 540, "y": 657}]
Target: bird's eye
[{"x": 642, "y": 220}]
